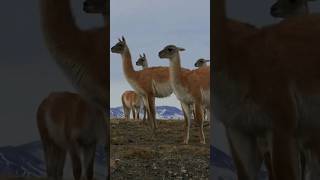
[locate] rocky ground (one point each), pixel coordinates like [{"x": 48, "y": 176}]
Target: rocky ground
[{"x": 138, "y": 154}]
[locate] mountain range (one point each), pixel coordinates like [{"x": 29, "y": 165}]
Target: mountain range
[
  {"x": 162, "y": 112},
  {"x": 27, "y": 160}
]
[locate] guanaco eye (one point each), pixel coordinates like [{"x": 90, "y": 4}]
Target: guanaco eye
[{"x": 170, "y": 49}]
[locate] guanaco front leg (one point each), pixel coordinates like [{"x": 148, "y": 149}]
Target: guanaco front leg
[
  {"x": 187, "y": 114},
  {"x": 151, "y": 101}
]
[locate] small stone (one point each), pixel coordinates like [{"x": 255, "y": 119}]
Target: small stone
[
  {"x": 154, "y": 166},
  {"x": 183, "y": 171}
]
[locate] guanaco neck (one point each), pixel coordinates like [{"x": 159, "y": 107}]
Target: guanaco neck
[
  {"x": 75, "y": 49},
  {"x": 59, "y": 27},
  {"x": 145, "y": 65},
  {"x": 219, "y": 34},
  {"x": 175, "y": 71},
  {"x": 127, "y": 66},
  {"x": 204, "y": 65}
]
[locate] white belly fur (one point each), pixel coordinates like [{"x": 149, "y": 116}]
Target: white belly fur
[
  {"x": 233, "y": 110},
  {"x": 182, "y": 94},
  {"x": 162, "y": 89},
  {"x": 135, "y": 86}
]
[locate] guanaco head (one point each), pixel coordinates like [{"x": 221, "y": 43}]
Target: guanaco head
[
  {"x": 95, "y": 6},
  {"x": 287, "y": 8},
  {"x": 201, "y": 62},
  {"x": 142, "y": 61},
  {"x": 120, "y": 47},
  {"x": 170, "y": 52}
]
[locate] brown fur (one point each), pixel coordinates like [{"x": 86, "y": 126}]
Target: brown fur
[
  {"x": 131, "y": 101},
  {"x": 144, "y": 80},
  {"x": 80, "y": 53},
  {"x": 193, "y": 82},
  {"x": 66, "y": 122},
  {"x": 266, "y": 65}
]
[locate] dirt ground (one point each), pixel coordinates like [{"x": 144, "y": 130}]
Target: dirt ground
[{"x": 137, "y": 154}]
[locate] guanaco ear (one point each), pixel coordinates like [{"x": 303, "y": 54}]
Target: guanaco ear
[
  {"x": 140, "y": 55},
  {"x": 181, "y": 49},
  {"x": 119, "y": 39},
  {"x": 144, "y": 55},
  {"x": 207, "y": 60},
  {"x": 124, "y": 40}
]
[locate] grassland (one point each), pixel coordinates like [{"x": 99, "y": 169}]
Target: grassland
[{"x": 138, "y": 154}]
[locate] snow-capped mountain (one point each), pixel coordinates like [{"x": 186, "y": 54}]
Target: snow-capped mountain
[
  {"x": 162, "y": 112},
  {"x": 27, "y": 160}
]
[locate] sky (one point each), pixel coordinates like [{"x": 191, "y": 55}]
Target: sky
[
  {"x": 148, "y": 26},
  {"x": 27, "y": 71}
]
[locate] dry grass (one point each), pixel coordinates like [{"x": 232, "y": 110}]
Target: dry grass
[
  {"x": 29, "y": 178},
  {"x": 23, "y": 178},
  {"x": 138, "y": 154}
]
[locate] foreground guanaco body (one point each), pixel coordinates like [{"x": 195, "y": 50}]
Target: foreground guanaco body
[
  {"x": 263, "y": 90},
  {"x": 131, "y": 101},
  {"x": 69, "y": 124},
  {"x": 192, "y": 88}
]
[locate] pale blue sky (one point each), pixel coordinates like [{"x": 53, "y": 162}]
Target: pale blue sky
[{"x": 148, "y": 26}]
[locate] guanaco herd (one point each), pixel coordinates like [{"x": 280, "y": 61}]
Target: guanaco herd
[
  {"x": 266, "y": 89},
  {"x": 192, "y": 87}
]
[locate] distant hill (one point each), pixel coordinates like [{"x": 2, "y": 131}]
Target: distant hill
[
  {"x": 162, "y": 112},
  {"x": 27, "y": 160}
]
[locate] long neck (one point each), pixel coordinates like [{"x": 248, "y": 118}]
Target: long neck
[
  {"x": 79, "y": 52},
  {"x": 145, "y": 65},
  {"x": 204, "y": 65},
  {"x": 219, "y": 34},
  {"x": 58, "y": 23},
  {"x": 175, "y": 70},
  {"x": 127, "y": 64}
]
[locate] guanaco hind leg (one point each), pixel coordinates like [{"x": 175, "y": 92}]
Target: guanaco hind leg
[
  {"x": 88, "y": 156},
  {"x": 137, "y": 109},
  {"x": 133, "y": 113},
  {"x": 245, "y": 154},
  {"x": 126, "y": 113},
  {"x": 145, "y": 101},
  {"x": 199, "y": 118},
  {"x": 76, "y": 162}
]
